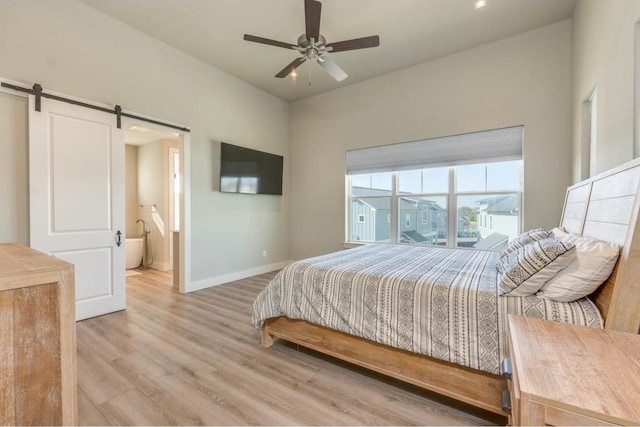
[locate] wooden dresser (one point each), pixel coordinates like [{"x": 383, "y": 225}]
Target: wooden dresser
[
  {"x": 37, "y": 339},
  {"x": 564, "y": 374}
]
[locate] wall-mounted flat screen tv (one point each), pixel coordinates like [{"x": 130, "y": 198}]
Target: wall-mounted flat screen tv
[{"x": 247, "y": 171}]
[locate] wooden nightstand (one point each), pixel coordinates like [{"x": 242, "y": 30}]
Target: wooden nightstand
[{"x": 564, "y": 374}]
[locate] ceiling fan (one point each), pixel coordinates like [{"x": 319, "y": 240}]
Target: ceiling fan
[{"x": 314, "y": 47}]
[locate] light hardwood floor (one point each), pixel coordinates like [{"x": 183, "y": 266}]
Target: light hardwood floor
[{"x": 195, "y": 359}]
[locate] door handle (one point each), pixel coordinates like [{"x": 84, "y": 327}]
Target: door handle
[{"x": 118, "y": 238}]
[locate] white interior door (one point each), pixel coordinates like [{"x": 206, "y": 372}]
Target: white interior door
[{"x": 76, "y": 191}]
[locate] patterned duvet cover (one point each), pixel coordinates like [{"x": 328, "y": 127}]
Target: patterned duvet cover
[{"x": 438, "y": 302}]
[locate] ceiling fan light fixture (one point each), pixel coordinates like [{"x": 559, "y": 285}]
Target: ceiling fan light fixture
[{"x": 313, "y": 46}]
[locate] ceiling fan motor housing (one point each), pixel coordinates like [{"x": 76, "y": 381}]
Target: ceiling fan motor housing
[{"x": 312, "y": 49}]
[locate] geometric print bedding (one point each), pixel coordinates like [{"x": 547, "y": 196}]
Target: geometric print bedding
[
  {"x": 520, "y": 242},
  {"x": 439, "y": 302},
  {"x": 527, "y": 269}
]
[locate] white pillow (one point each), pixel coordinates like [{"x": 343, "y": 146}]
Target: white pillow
[
  {"x": 559, "y": 233},
  {"x": 530, "y": 267},
  {"x": 592, "y": 265}
]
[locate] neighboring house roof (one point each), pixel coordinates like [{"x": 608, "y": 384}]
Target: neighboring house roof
[
  {"x": 464, "y": 218},
  {"x": 376, "y": 204},
  {"x": 406, "y": 203},
  {"x": 414, "y": 235},
  {"x": 436, "y": 207},
  {"x": 504, "y": 205},
  {"x": 422, "y": 204},
  {"x": 364, "y": 192},
  {"x": 492, "y": 241}
]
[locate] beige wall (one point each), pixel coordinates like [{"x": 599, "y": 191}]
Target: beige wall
[
  {"x": 14, "y": 174},
  {"x": 71, "y": 48},
  {"x": 153, "y": 170},
  {"x": 152, "y": 199},
  {"x": 603, "y": 58},
  {"x": 522, "y": 80}
]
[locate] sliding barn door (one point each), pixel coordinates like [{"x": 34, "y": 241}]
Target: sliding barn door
[{"x": 76, "y": 172}]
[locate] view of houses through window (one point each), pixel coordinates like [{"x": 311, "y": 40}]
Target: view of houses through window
[{"x": 465, "y": 206}]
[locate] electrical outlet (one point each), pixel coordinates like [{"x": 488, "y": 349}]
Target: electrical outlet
[{"x": 264, "y": 253}]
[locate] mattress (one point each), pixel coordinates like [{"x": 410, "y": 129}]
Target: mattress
[{"x": 434, "y": 301}]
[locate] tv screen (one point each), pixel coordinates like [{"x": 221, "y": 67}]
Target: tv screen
[{"x": 243, "y": 170}]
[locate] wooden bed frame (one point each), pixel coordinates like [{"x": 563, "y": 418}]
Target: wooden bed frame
[{"x": 605, "y": 207}]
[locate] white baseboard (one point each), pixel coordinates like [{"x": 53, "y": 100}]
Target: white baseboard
[
  {"x": 226, "y": 278},
  {"x": 163, "y": 266}
]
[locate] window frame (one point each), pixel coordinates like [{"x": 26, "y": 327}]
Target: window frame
[{"x": 452, "y": 206}]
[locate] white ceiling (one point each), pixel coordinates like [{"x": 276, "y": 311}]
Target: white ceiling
[
  {"x": 140, "y": 135},
  {"x": 411, "y": 32}
]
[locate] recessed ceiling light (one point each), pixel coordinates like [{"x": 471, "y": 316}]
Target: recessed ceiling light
[{"x": 480, "y": 4}]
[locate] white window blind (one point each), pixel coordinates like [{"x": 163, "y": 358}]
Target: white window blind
[{"x": 478, "y": 147}]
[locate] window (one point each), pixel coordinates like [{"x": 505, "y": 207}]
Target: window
[
  {"x": 371, "y": 202},
  {"x": 432, "y": 229},
  {"x": 471, "y": 204},
  {"x": 174, "y": 188}
]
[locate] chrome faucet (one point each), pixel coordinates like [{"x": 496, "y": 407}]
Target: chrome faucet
[{"x": 145, "y": 228}]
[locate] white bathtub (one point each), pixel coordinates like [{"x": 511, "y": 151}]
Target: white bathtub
[{"x": 134, "y": 248}]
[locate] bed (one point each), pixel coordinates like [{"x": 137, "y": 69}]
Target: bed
[{"x": 604, "y": 207}]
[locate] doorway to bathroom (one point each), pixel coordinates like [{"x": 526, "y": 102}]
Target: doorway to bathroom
[
  {"x": 154, "y": 202},
  {"x": 75, "y": 206}
]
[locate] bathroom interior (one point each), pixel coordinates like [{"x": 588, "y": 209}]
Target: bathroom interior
[{"x": 152, "y": 174}]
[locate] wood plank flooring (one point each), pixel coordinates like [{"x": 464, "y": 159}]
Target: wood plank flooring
[{"x": 195, "y": 359}]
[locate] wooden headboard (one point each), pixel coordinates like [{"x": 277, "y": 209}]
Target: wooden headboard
[{"x": 606, "y": 207}]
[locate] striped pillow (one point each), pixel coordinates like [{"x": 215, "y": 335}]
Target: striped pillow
[
  {"x": 530, "y": 267},
  {"x": 520, "y": 242}
]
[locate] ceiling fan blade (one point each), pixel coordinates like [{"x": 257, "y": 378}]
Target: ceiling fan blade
[
  {"x": 361, "y": 43},
  {"x": 333, "y": 69},
  {"x": 256, "y": 39},
  {"x": 292, "y": 66},
  {"x": 312, "y": 9}
]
